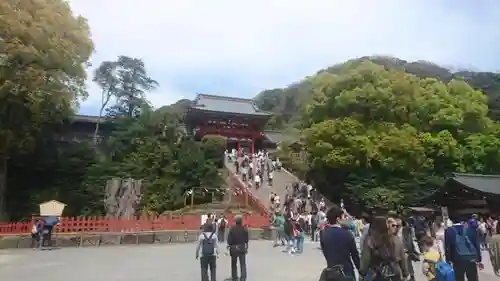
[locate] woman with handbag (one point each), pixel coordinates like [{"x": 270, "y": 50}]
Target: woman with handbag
[{"x": 383, "y": 254}]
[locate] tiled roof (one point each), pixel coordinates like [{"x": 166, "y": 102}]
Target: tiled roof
[
  {"x": 89, "y": 118},
  {"x": 483, "y": 183},
  {"x": 278, "y": 137},
  {"x": 227, "y": 104}
]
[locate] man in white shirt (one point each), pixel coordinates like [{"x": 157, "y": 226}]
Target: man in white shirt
[{"x": 257, "y": 181}]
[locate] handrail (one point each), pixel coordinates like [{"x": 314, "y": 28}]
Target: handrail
[
  {"x": 256, "y": 202},
  {"x": 318, "y": 194}
]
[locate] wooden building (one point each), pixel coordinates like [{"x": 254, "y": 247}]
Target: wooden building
[
  {"x": 238, "y": 119},
  {"x": 466, "y": 194}
]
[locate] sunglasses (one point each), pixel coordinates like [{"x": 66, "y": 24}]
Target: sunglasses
[{"x": 395, "y": 225}]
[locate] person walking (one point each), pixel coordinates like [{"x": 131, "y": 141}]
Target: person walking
[
  {"x": 463, "y": 251},
  {"x": 221, "y": 228},
  {"x": 277, "y": 225},
  {"x": 299, "y": 226},
  {"x": 237, "y": 245},
  {"x": 207, "y": 245},
  {"x": 412, "y": 251},
  {"x": 339, "y": 248},
  {"x": 383, "y": 254}
]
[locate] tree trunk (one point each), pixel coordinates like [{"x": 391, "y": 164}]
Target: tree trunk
[
  {"x": 104, "y": 102},
  {"x": 96, "y": 132}
]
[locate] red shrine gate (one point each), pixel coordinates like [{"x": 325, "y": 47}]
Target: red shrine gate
[{"x": 235, "y": 118}]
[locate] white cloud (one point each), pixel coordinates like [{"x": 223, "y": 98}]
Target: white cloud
[{"x": 271, "y": 43}]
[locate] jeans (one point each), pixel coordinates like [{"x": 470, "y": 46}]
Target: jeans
[
  {"x": 463, "y": 269},
  {"x": 278, "y": 236},
  {"x": 290, "y": 243},
  {"x": 482, "y": 240},
  {"x": 221, "y": 234},
  {"x": 299, "y": 243},
  {"x": 234, "y": 267},
  {"x": 46, "y": 238},
  {"x": 313, "y": 232},
  {"x": 208, "y": 263}
]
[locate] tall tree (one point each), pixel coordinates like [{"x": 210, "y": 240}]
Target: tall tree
[
  {"x": 390, "y": 137},
  {"x": 44, "y": 49},
  {"x": 132, "y": 84},
  {"x": 105, "y": 77}
]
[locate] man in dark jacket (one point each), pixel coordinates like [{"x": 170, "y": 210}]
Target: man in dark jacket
[
  {"x": 462, "y": 251},
  {"x": 338, "y": 244},
  {"x": 237, "y": 244}
]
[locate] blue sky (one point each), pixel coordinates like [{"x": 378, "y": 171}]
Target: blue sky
[{"x": 239, "y": 48}]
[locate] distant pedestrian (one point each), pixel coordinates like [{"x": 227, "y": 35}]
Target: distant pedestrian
[
  {"x": 36, "y": 231},
  {"x": 221, "y": 228},
  {"x": 237, "y": 244},
  {"x": 207, "y": 245}
]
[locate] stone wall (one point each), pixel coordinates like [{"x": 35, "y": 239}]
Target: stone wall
[{"x": 108, "y": 239}]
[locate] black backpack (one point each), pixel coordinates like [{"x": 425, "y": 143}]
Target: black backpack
[{"x": 207, "y": 245}]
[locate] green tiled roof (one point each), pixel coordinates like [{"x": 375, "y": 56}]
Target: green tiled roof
[
  {"x": 277, "y": 137},
  {"x": 483, "y": 183},
  {"x": 227, "y": 104}
]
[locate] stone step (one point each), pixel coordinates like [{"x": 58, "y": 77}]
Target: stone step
[{"x": 281, "y": 180}]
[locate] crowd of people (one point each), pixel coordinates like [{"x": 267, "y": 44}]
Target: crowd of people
[
  {"x": 388, "y": 248},
  {"x": 255, "y": 168},
  {"x": 390, "y": 245}
]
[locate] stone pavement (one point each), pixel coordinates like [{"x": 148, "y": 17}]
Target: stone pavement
[{"x": 164, "y": 262}]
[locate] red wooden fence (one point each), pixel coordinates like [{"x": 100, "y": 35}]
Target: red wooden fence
[
  {"x": 241, "y": 193},
  {"x": 141, "y": 224}
]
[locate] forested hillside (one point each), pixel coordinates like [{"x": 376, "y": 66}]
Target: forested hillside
[
  {"x": 381, "y": 132},
  {"x": 289, "y": 104},
  {"x": 41, "y": 158},
  {"x": 385, "y": 133}
]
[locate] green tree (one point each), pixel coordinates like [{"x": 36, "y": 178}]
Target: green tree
[
  {"x": 52, "y": 170},
  {"x": 152, "y": 148},
  {"x": 132, "y": 85},
  {"x": 105, "y": 77},
  {"x": 214, "y": 146},
  {"x": 38, "y": 75},
  {"x": 390, "y": 137}
]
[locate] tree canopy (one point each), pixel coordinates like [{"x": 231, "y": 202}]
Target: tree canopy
[
  {"x": 43, "y": 54},
  {"x": 43, "y": 58},
  {"x": 380, "y": 132},
  {"x": 288, "y": 104},
  {"x": 384, "y": 137}
]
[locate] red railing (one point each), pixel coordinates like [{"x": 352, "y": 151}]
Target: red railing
[
  {"x": 141, "y": 224},
  {"x": 241, "y": 193},
  {"x": 244, "y": 193}
]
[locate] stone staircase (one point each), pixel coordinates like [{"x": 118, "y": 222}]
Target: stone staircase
[
  {"x": 231, "y": 206},
  {"x": 242, "y": 193},
  {"x": 282, "y": 178}
]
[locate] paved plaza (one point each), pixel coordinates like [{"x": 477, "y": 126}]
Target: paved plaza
[{"x": 161, "y": 262}]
